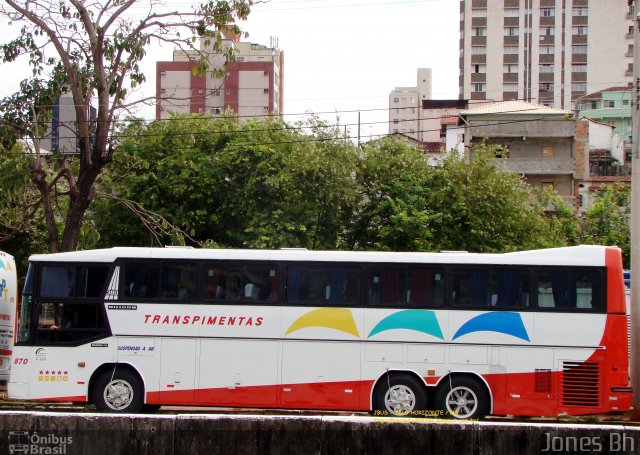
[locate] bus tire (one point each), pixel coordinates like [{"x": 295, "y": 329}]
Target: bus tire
[
  {"x": 399, "y": 395},
  {"x": 119, "y": 392},
  {"x": 462, "y": 397}
]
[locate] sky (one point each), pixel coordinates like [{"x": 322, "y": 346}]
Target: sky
[{"x": 342, "y": 58}]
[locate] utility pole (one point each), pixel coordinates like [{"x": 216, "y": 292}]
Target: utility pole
[{"x": 635, "y": 216}]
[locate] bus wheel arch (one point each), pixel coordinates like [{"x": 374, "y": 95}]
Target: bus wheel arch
[
  {"x": 399, "y": 393},
  {"x": 463, "y": 396},
  {"x": 117, "y": 388}
]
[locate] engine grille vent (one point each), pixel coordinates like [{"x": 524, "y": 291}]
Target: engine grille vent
[{"x": 580, "y": 384}]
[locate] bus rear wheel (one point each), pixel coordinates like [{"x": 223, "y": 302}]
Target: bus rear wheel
[
  {"x": 399, "y": 395},
  {"x": 462, "y": 398},
  {"x": 120, "y": 391}
]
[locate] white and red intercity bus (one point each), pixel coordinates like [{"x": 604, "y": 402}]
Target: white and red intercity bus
[
  {"x": 533, "y": 333},
  {"x": 8, "y": 300}
]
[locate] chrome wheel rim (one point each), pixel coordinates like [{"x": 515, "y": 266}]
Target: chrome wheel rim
[
  {"x": 400, "y": 400},
  {"x": 461, "y": 402},
  {"x": 118, "y": 394}
]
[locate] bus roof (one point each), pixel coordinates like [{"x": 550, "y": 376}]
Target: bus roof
[{"x": 586, "y": 255}]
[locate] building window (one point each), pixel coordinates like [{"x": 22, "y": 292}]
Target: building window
[
  {"x": 215, "y": 110},
  {"x": 608, "y": 104},
  {"x": 478, "y": 87},
  {"x": 578, "y": 87},
  {"x": 511, "y": 31},
  {"x": 579, "y": 30},
  {"x": 509, "y": 87},
  {"x": 579, "y": 49},
  {"x": 479, "y": 13},
  {"x": 580, "y": 12},
  {"x": 545, "y": 87},
  {"x": 625, "y": 102},
  {"x": 479, "y": 31},
  {"x": 547, "y": 151},
  {"x": 396, "y": 100},
  {"x": 215, "y": 92},
  {"x": 547, "y": 186},
  {"x": 479, "y": 69},
  {"x": 546, "y": 68},
  {"x": 396, "y": 121},
  {"x": 478, "y": 50},
  {"x": 547, "y": 50},
  {"x": 511, "y": 12},
  {"x": 511, "y": 69},
  {"x": 547, "y": 12},
  {"x": 547, "y": 31},
  {"x": 579, "y": 68},
  {"x": 511, "y": 49}
]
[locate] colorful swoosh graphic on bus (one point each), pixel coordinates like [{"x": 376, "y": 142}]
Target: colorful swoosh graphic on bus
[
  {"x": 2, "y": 266},
  {"x": 418, "y": 320},
  {"x": 501, "y": 322},
  {"x": 332, "y": 318}
]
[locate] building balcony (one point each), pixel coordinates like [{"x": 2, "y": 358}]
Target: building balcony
[
  {"x": 609, "y": 170},
  {"x": 540, "y": 166},
  {"x": 531, "y": 128}
]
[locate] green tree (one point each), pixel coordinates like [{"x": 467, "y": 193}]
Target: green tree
[
  {"x": 393, "y": 186},
  {"x": 482, "y": 208},
  {"x": 93, "y": 51},
  {"x": 255, "y": 184},
  {"x": 607, "y": 220}
]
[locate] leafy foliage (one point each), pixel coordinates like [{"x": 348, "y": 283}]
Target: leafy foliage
[
  {"x": 607, "y": 220},
  {"x": 93, "y": 52}
]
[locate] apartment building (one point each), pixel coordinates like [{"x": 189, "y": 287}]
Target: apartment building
[
  {"x": 61, "y": 134},
  {"x": 405, "y": 106},
  {"x": 548, "y": 52},
  {"x": 251, "y": 87}
]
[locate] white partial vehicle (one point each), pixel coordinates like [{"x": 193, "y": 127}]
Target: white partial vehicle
[{"x": 8, "y": 301}]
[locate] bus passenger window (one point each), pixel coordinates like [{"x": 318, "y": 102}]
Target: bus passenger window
[
  {"x": 334, "y": 285},
  {"x": 260, "y": 283},
  {"x": 179, "y": 281},
  {"x": 388, "y": 286},
  {"x": 570, "y": 289},
  {"x": 426, "y": 287},
  {"x": 510, "y": 288},
  {"x": 471, "y": 288}
]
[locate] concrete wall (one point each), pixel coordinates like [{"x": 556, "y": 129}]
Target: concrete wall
[{"x": 222, "y": 434}]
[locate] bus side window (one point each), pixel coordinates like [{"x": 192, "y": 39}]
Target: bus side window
[
  {"x": 471, "y": 288},
  {"x": 570, "y": 289}
]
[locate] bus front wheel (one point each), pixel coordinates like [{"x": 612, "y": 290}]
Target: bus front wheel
[
  {"x": 462, "y": 398},
  {"x": 399, "y": 395},
  {"x": 120, "y": 391}
]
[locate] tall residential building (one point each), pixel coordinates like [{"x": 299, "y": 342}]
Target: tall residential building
[
  {"x": 61, "y": 135},
  {"x": 548, "y": 52},
  {"x": 252, "y": 86},
  {"x": 404, "y": 106}
]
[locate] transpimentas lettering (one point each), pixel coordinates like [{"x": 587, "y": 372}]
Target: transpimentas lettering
[{"x": 244, "y": 321}]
